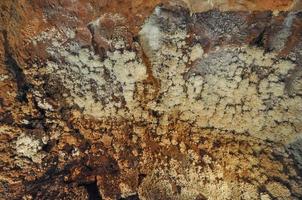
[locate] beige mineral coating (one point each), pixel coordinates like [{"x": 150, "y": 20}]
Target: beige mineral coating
[
  {"x": 29, "y": 147},
  {"x": 160, "y": 118},
  {"x": 223, "y": 90}
]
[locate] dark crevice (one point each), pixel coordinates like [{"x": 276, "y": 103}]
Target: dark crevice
[
  {"x": 52, "y": 174},
  {"x": 7, "y": 118},
  {"x": 259, "y": 40},
  {"x": 48, "y": 146},
  {"x": 15, "y": 69},
  {"x": 141, "y": 178},
  {"x": 93, "y": 191},
  {"x": 262, "y": 189}
]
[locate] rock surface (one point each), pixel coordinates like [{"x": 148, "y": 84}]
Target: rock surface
[{"x": 150, "y": 99}]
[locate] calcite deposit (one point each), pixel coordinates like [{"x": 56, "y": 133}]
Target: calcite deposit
[{"x": 151, "y": 100}]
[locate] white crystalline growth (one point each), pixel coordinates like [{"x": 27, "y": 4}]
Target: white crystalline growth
[
  {"x": 29, "y": 147},
  {"x": 151, "y": 33}
]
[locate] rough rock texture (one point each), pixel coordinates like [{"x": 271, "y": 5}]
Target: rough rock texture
[{"x": 150, "y": 99}]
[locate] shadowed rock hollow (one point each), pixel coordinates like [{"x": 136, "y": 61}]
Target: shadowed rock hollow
[{"x": 150, "y": 100}]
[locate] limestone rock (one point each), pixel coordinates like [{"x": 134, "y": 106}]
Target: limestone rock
[{"x": 155, "y": 99}]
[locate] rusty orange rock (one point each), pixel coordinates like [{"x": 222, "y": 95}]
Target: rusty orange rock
[{"x": 133, "y": 99}]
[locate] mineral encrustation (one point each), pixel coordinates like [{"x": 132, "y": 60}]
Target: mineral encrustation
[{"x": 151, "y": 100}]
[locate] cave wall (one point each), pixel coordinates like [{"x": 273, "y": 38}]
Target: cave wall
[{"x": 150, "y": 99}]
